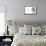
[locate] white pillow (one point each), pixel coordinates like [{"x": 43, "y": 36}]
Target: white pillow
[
  {"x": 13, "y": 30},
  {"x": 23, "y": 30},
  {"x": 28, "y": 31},
  {"x": 42, "y": 30},
  {"x": 28, "y": 26},
  {"x": 36, "y": 30},
  {"x": 44, "y": 27}
]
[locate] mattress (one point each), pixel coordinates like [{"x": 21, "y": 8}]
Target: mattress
[{"x": 28, "y": 40}]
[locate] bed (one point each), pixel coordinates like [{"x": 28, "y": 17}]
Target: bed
[
  {"x": 29, "y": 40},
  {"x": 25, "y": 38}
]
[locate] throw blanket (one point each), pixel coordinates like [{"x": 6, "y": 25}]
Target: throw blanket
[{"x": 29, "y": 40}]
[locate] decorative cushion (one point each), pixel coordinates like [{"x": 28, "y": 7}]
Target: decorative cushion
[
  {"x": 28, "y": 31},
  {"x": 36, "y": 30},
  {"x": 23, "y": 30},
  {"x": 13, "y": 30},
  {"x": 28, "y": 26},
  {"x": 44, "y": 26},
  {"x": 44, "y": 29}
]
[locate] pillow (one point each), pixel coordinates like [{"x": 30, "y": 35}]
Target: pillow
[
  {"x": 33, "y": 30},
  {"x": 28, "y": 26},
  {"x": 21, "y": 30},
  {"x": 44, "y": 26},
  {"x": 44, "y": 29},
  {"x": 24, "y": 30},
  {"x": 36, "y": 30},
  {"x": 13, "y": 30},
  {"x": 28, "y": 31}
]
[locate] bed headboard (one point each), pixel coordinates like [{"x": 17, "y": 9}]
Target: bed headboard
[{"x": 21, "y": 23}]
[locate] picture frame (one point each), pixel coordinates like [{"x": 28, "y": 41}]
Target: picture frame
[{"x": 30, "y": 10}]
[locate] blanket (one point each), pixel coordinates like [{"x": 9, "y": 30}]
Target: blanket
[{"x": 29, "y": 40}]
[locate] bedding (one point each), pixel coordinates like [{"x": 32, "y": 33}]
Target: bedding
[
  {"x": 36, "y": 30},
  {"x": 13, "y": 30},
  {"x": 28, "y": 29},
  {"x": 44, "y": 28},
  {"x": 28, "y": 26},
  {"x": 25, "y": 30},
  {"x": 21, "y": 30},
  {"x": 28, "y": 40}
]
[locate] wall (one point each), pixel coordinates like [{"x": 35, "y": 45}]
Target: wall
[{"x": 15, "y": 9}]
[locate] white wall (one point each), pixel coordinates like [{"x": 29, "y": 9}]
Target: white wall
[{"x": 15, "y": 10}]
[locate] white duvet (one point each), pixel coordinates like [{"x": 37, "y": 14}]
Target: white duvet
[{"x": 29, "y": 40}]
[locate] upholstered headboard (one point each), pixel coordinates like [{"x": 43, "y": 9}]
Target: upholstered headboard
[{"x": 21, "y": 23}]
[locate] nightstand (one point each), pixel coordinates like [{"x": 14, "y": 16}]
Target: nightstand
[
  {"x": 7, "y": 43},
  {"x": 7, "y": 40}
]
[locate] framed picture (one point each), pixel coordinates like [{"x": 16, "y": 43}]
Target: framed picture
[{"x": 30, "y": 10}]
